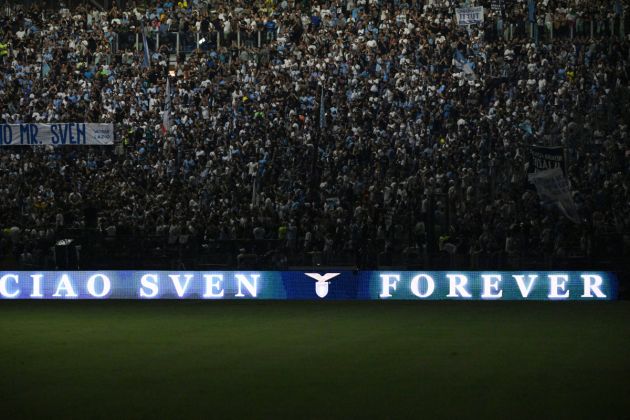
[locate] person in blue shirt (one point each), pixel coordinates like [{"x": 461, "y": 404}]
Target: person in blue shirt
[
  {"x": 316, "y": 21},
  {"x": 270, "y": 29}
]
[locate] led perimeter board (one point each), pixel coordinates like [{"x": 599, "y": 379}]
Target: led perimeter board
[{"x": 338, "y": 285}]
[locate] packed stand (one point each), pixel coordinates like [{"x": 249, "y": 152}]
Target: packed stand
[{"x": 422, "y": 147}]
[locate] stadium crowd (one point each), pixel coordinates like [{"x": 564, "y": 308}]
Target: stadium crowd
[{"x": 357, "y": 127}]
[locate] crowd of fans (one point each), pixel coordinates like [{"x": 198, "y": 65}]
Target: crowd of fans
[{"x": 358, "y": 127}]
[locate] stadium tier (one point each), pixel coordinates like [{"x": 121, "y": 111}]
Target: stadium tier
[{"x": 284, "y": 133}]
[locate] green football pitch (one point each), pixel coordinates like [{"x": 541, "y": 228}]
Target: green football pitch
[{"x": 314, "y": 360}]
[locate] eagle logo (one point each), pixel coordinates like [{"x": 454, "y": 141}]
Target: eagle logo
[{"x": 321, "y": 287}]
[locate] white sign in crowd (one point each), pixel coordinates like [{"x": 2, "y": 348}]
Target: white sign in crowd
[
  {"x": 469, "y": 15},
  {"x": 61, "y": 134}
]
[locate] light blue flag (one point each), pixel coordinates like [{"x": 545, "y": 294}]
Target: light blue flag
[
  {"x": 146, "y": 62},
  {"x": 531, "y": 10},
  {"x": 322, "y": 112}
]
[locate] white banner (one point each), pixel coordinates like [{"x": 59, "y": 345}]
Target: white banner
[
  {"x": 553, "y": 188},
  {"x": 469, "y": 15},
  {"x": 61, "y": 134}
]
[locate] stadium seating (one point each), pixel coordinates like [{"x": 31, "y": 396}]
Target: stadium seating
[{"x": 355, "y": 132}]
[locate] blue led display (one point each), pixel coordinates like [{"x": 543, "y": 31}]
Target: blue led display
[{"x": 337, "y": 285}]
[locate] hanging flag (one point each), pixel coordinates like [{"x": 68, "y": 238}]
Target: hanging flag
[
  {"x": 322, "y": 112},
  {"x": 531, "y": 10},
  {"x": 146, "y": 62},
  {"x": 45, "y": 68},
  {"x": 255, "y": 192},
  {"x": 526, "y": 126},
  {"x": 466, "y": 66},
  {"x": 618, "y": 8},
  {"x": 166, "y": 115},
  {"x": 553, "y": 189},
  {"x": 459, "y": 57}
]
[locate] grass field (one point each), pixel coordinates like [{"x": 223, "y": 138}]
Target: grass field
[{"x": 315, "y": 360}]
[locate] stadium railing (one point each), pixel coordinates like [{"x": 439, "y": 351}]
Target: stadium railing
[
  {"x": 89, "y": 249},
  {"x": 509, "y": 29}
]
